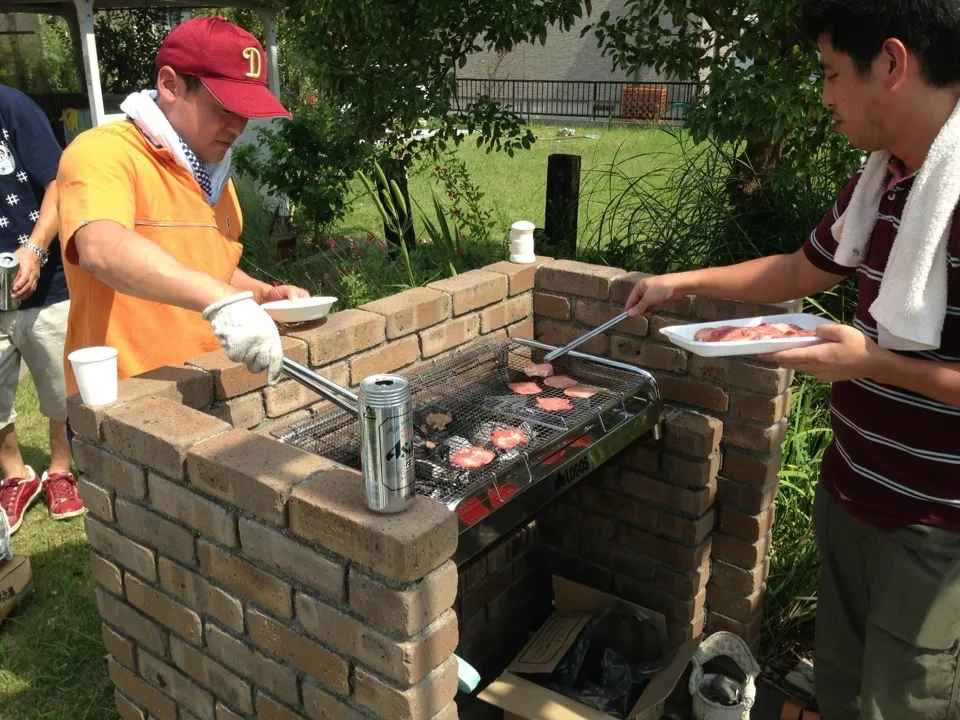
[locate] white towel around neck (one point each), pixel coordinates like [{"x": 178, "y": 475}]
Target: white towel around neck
[
  {"x": 912, "y": 303},
  {"x": 141, "y": 108}
]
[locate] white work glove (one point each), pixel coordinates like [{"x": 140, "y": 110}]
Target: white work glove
[{"x": 247, "y": 333}]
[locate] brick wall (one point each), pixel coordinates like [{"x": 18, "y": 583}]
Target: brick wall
[{"x": 239, "y": 577}]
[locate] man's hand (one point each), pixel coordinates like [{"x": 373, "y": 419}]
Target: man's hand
[
  {"x": 651, "y": 293},
  {"x": 26, "y": 281},
  {"x": 284, "y": 292},
  {"x": 247, "y": 333},
  {"x": 847, "y": 354}
]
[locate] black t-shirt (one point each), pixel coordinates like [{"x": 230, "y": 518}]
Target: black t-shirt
[{"x": 29, "y": 156}]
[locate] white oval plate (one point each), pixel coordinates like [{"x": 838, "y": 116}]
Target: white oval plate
[
  {"x": 682, "y": 335},
  {"x": 302, "y": 310}
]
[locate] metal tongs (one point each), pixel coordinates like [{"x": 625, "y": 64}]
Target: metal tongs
[
  {"x": 320, "y": 385},
  {"x": 560, "y": 352}
]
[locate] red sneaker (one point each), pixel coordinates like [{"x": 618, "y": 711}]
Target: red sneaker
[
  {"x": 16, "y": 495},
  {"x": 63, "y": 498}
]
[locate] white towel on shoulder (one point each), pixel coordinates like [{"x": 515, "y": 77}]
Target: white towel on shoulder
[{"x": 912, "y": 303}]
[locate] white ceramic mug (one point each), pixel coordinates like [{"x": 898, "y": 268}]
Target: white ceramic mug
[{"x": 521, "y": 243}]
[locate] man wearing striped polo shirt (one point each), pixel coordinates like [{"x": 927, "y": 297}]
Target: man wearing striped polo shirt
[{"x": 887, "y": 511}]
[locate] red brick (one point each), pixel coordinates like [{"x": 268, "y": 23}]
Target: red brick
[
  {"x": 340, "y": 335},
  {"x": 749, "y": 632},
  {"x": 524, "y": 329},
  {"x": 749, "y": 499},
  {"x": 196, "y": 591},
  {"x": 711, "y": 370},
  {"x": 405, "y": 610},
  {"x": 521, "y": 276},
  {"x": 596, "y": 526},
  {"x": 411, "y": 310},
  {"x": 759, "y": 439},
  {"x": 760, "y": 379},
  {"x": 386, "y": 359},
  {"x": 244, "y": 412},
  {"x": 120, "y": 549},
  {"x": 285, "y": 397},
  {"x": 749, "y": 468},
  {"x": 693, "y": 434},
  {"x": 330, "y": 510},
  {"x": 180, "y": 619},
  {"x": 740, "y": 552},
  {"x": 688, "y": 531},
  {"x": 252, "y": 583},
  {"x": 278, "y": 679},
  {"x": 110, "y": 470},
  {"x": 761, "y": 408},
  {"x": 617, "y": 506},
  {"x": 306, "y": 655},
  {"x": 121, "y": 648},
  {"x": 743, "y": 581},
  {"x": 170, "y": 538},
  {"x": 558, "y": 334},
  {"x": 172, "y": 682},
  {"x": 157, "y": 432},
  {"x": 654, "y": 597},
  {"x": 449, "y": 335},
  {"x": 130, "y": 622},
  {"x": 693, "y": 502},
  {"x": 690, "y": 472},
  {"x": 450, "y": 712},
  {"x": 270, "y": 709},
  {"x": 682, "y": 584},
  {"x": 551, "y": 306},
  {"x": 254, "y": 473},
  {"x": 506, "y": 313},
  {"x": 97, "y": 499},
  {"x": 644, "y": 456},
  {"x": 232, "y": 379},
  {"x": 126, "y": 709},
  {"x": 212, "y": 675},
  {"x": 710, "y": 309},
  {"x": 105, "y": 573},
  {"x": 731, "y": 604},
  {"x": 666, "y": 551},
  {"x": 690, "y": 392},
  {"x": 301, "y": 562},
  {"x": 577, "y": 278},
  {"x": 621, "y": 288},
  {"x": 191, "y": 509},
  {"x": 660, "y": 321},
  {"x": 681, "y": 632},
  {"x": 321, "y": 705},
  {"x": 748, "y": 527},
  {"x": 663, "y": 357},
  {"x": 595, "y": 314},
  {"x": 406, "y": 662},
  {"x": 473, "y": 290},
  {"x": 420, "y": 702},
  {"x": 162, "y": 707}
]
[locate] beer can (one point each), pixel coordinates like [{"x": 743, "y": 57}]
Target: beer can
[
  {"x": 9, "y": 268},
  {"x": 386, "y": 427}
]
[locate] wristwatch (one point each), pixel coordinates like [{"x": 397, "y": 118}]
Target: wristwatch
[{"x": 42, "y": 255}]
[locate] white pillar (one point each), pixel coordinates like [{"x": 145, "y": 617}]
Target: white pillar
[
  {"x": 269, "y": 21},
  {"x": 91, "y": 66}
]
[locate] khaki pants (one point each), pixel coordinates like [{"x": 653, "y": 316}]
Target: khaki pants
[
  {"x": 37, "y": 336},
  {"x": 888, "y": 619}
]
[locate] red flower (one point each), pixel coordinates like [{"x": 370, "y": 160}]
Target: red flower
[
  {"x": 459, "y": 251},
  {"x": 313, "y": 99},
  {"x": 383, "y": 246},
  {"x": 331, "y": 243}
]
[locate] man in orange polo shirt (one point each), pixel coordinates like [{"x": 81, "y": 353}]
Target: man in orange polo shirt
[{"x": 150, "y": 220}]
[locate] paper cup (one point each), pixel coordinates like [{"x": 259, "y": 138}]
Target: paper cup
[{"x": 96, "y": 371}]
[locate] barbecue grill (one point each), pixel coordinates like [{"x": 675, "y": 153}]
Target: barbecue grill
[{"x": 469, "y": 394}]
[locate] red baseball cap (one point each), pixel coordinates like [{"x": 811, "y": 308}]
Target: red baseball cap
[{"x": 229, "y": 61}]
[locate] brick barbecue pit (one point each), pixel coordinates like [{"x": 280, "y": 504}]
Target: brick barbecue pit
[{"x": 241, "y": 577}]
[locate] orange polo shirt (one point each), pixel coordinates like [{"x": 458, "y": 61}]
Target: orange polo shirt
[{"x": 115, "y": 173}]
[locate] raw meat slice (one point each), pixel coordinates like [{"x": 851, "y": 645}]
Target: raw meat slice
[
  {"x": 538, "y": 370},
  {"x": 581, "y": 391},
  {"x": 560, "y": 382},
  {"x": 473, "y": 457},
  {"x": 525, "y": 388},
  {"x": 509, "y": 438},
  {"x": 472, "y": 511},
  {"x": 764, "y": 331},
  {"x": 554, "y": 404}
]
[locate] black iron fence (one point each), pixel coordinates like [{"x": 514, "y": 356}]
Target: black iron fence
[{"x": 601, "y": 101}]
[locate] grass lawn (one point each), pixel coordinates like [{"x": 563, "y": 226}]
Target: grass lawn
[
  {"x": 515, "y": 188},
  {"x": 52, "y": 659}
]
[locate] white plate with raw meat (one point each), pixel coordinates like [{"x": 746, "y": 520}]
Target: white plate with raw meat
[{"x": 747, "y": 336}]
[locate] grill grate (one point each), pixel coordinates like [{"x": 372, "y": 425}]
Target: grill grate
[{"x": 472, "y": 387}]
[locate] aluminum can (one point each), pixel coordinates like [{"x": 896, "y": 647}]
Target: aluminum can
[
  {"x": 9, "y": 267},
  {"x": 386, "y": 426}
]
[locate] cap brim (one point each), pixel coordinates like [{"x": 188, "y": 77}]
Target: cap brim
[{"x": 250, "y": 100}]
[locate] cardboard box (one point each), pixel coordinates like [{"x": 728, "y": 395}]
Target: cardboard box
[
  {"x": 521, "y": 699},
  {"x": 16, "y": 579}
]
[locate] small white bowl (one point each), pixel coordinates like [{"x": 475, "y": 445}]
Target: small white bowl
[{"x": 302, "y": 310}]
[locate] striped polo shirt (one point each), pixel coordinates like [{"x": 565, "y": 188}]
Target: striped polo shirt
[{"x": 895, "y": 457}]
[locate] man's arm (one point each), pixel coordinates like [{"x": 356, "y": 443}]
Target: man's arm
[
  {"x": 262, "y": 292},
  {"x": 936, "y": 380},
  {"x": 134, "y": 265}
]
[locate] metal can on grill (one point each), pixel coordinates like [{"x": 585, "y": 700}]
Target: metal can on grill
[
  {"x": 386, "y": 425},
  {"x": 9, "y": 267}
]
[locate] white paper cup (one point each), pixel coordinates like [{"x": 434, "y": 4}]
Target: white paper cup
[{"x": 96, "y": 371}]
